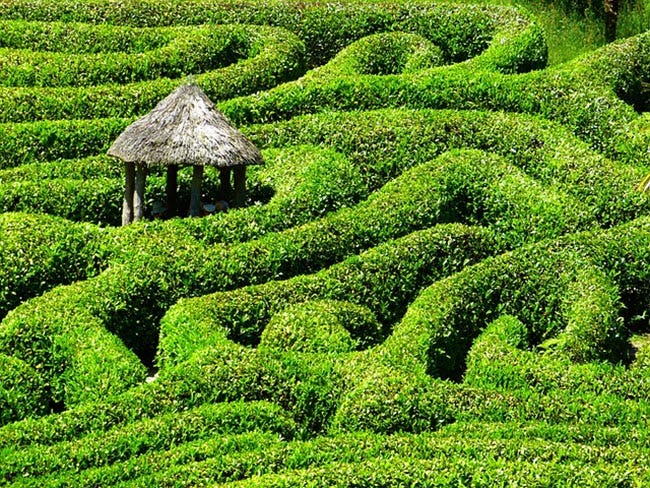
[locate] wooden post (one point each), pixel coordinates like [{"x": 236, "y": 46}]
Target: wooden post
[
  {"x": 226, "y": 187},
  {"x": 172, "y": 190},
  {"x": 129, "y": 188},
  {"x": 195, "y": 195},
  {"x": 240, "y": 186},
  {"x": 611, "y": 19},
  {"x": 138, "y": 196}
]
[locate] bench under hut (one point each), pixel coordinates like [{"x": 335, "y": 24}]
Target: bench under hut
[{"x": 184, "y": 129}]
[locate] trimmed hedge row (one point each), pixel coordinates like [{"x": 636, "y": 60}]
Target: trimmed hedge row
[
  {"x": 460, "y": 30},
  {"x": 160, "y": 433},
  {"x": 83, "y": 301},
  {"x": 323, "y": 242},
  {"x": 442, "y": 471},
  {"x": 305, "y": 182},
  {"x": 93, "y": 200},
  {"x": 226, "y": 453},
  {"x": 402, "y": 138},
  {"x": 384, "y": 54},
  {"x": 39, "y": 142},
  {"x": 141, "y": 292},
  {"x": 461, "y": 186},
  {"x": 518, "y": 46},
  {"x": 188, "y": 51},
  {"x": 80, "y": 38},
  {"x": 22, "y": 392},
  {"x": 269, "y": 56},
  {"x": 499, "y": 360},
  {"x": 594, "y": 96},
  {"x": 241, "y": 459},
  {"x": 543, "y": 150},
  {"x": 71, "y": 347},
  {"x": 536, "y": 284},
  {"x": 89, "y": 168},
  {"x": 38, "y": 252},
  {"x": 321, "y": 326}
]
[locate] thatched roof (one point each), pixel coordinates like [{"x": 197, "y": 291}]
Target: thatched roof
[{"x": 185, "y": 129}]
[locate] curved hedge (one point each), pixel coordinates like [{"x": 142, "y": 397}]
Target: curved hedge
[
  {"x": 38, "y": 252},
  {"x": 411, "y": 295},
  {"x": 266, "y": 56},
  {"x": 187, "y": 51},
  {"x": 535, "y": 283}
]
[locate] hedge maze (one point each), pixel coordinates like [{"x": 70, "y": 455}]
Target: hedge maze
[{"x": 441, "y": 275}]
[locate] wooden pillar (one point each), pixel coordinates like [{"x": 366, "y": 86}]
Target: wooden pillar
[
  {"x": 240, "y": 186},
  {"x": 226, "y": 187},
  {"x": 172, "y": 190},
  {"x": 138, "y": 196},
  {"x": 129, "y": 188},
  {"x": 611, "y": 19},
  {"x": 195, "y": 195}
]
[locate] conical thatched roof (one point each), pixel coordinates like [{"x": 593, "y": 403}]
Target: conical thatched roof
[{"x": 185, "y": 129}]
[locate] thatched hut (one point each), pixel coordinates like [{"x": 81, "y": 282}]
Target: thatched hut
[{"x": 183, "y": 129}]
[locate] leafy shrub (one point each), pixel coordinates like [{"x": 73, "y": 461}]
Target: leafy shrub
[
  {"x": 38, "y": 252},
  {"x": 80, "y": 38},
  {"x": 321, "y": 326},
  {"x": 22, "y": 391},
  {"x": 388, "y": 401},
  {"x": 145, "y": 436},
  {"x": 188, "y": 51},
  {"x": 383, "y": 54},
  {"x": 268, "y": 56},
  {"x": 413, "y": 261},
  {"x": 532, "y": 283}
]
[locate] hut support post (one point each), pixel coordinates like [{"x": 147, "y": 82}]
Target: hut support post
[
  {"x": 195, "y": 196},
  {"x": 138, "y": 196},
  {"x": 226, "y": 187},
  {"x": 240, "y": 185},
  {"x": 172, "y": 190},
  {"x": 129, "y": 188}
]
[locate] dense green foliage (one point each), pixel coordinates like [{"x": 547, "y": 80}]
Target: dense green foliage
[{"x": 440, "y": 277}]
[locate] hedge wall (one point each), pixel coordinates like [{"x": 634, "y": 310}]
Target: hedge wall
[{"x": 411, "y": 295}]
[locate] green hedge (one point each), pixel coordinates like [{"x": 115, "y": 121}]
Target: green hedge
[
  {"x": 70, "y": 347},
  {"x": 314, "y": 245},
  {"x": 499, "y": 359},
  {"x": 80, "y": 38},
  {"x": 295, "y": 185},
  {"x": 148, "y": 435},
  {"x": 402, "y": 138},
  {"x": 325, "y": 29},
  {"x": 85, "y": 302},
  {"x": 189, "y": 51},
  {"x": 140, "y": 292},
  {"x": 535, "y": 283},
  {"x": 269, "y": 55},
  {"x": 88, "y": 168},
  {"x": 22, "y": 391},
  {"x": 571, "y": 95},
  {"x": 96, "y": 200},
  {"x": 321, "y": 326},
  {"x": 593, "y": 96},
  {"x": 382, "y": 54},
  {"x": 192, "y": 463},
  {"x": 441, "y": 471},
  {"x": 204, "y": 463},
  {"x": 38, "y": 252},
  {"x": 544, "y": 150},
  {"x": 461, "y": 31}
]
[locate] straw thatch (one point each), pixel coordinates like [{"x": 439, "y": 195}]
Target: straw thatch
[{"x": 185, "y": 129}]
